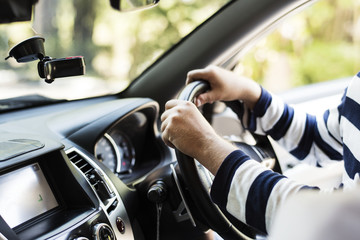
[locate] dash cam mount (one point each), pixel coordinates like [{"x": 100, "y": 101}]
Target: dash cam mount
[{"x": 49, "y": 68}]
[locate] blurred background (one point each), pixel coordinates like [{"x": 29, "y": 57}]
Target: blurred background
[{"x": 319, "y": 44}]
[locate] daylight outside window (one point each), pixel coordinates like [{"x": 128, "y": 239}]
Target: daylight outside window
[
  {"x": 319, "y": 44},
  {"x": 117, "y": 46}
]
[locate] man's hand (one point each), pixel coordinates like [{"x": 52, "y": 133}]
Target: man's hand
[
  {"x": 225, "y": 85},
  {"x": 184, "y": 127}
]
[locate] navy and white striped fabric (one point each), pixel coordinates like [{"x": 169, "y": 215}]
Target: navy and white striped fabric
[{"x": 252, "y": 193}]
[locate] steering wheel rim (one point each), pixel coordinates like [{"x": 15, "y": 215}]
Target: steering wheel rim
[{"x": 213, "y": 216}]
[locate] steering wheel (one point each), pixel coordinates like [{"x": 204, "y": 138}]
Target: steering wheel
[{"x": 193, "y": 175}]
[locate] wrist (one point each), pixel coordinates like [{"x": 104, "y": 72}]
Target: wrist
[
  {"x": 252, "y": 95},
  {"x": 214, "y": 152}
]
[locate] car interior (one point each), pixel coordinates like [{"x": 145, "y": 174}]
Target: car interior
[{"x": 95, "y": 167}]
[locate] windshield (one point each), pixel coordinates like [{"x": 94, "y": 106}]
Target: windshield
[{"x": 117, "y": 46}]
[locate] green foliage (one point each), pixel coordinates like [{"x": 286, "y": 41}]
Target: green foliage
[
  {"x": 116, "y": 45},
  {"x": 323, "y": 61},
  {"x": 319, "y": 44}
]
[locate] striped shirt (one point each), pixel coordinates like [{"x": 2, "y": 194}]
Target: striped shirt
[{"x": 253, "y": 193}]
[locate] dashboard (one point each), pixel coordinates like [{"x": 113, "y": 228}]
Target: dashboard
[
  {"x": 116, "y": 152},
  {"x": 69, "y": 170},
  {"x": 122, "y": 146}
]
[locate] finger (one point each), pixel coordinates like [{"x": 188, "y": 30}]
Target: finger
[
  {"x": 204, "y": 98},
  {"x": 172, "y": 103},
  {"x": 172, "y": 111},
  {"x": 164, "y": 124},
  {"x": 197, "y": 102},
  {"x": 197, "y": 75},
  {"x": 164, "y": 116},
  {"x": 168, "y": 107},
  {"x": 165, "y": 138}
]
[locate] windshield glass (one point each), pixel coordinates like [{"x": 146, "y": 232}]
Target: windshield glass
[{"x": 117, "y": 46}]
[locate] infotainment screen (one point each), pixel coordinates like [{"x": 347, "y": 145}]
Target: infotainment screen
[{"x": 25, "y": 194}]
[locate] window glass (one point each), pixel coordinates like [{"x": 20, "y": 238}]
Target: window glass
[
  {"x": 117, "y": 46},
  {"x": 319, "y": 44}
]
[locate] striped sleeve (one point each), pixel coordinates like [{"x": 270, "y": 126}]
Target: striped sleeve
[
  {"x": 305, "y": 136},
  {"x": 249, "y": 191},
  {"x": 350, "y": 130},
  {"x": 253, "y": 193}
]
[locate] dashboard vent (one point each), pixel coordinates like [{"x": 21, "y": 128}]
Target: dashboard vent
[
  {"x": 93, "y": 175},
  {"x": 80, "y": 163}
]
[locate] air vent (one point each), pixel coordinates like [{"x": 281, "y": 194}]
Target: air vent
[
  {"x": 93, "y": 175},
  {"x": 81, "y": 163}
]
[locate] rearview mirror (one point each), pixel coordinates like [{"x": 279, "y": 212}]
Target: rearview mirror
[{"x": 129, "y": 5}]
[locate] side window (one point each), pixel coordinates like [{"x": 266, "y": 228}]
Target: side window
[{"x": 321, "y": 43}]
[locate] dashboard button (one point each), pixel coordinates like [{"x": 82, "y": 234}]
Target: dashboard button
[{"x": 120, "y": 225}]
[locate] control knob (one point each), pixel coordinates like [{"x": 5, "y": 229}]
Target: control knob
[{"x": 102, "y": 231}]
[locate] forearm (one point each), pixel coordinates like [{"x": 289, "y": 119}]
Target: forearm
[
  {"x": 213, "y": 151},
  {"x": 249, "y": 191},
  {"x": 301, "y": 134}
]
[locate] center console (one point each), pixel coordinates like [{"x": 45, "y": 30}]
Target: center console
[{"x": 59, "y": 195}]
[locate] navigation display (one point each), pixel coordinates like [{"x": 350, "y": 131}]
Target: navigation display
[{"x": 25, "y": 194}]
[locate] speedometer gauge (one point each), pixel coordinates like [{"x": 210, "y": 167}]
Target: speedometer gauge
[
  {"x": 116, "y": 152},
  {"x": 126, "y": 152},
  {"x": 105, "y": 152}
]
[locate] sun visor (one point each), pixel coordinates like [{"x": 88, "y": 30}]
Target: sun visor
[{"x": 16, "y": 10}]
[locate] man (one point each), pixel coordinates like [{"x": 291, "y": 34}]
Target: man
[{"x": 242, "y": 186}]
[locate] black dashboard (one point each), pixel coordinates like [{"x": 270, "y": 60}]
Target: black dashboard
[{"x": 68, "y": 170}]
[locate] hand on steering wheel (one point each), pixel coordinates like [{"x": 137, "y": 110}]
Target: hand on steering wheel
[
  {"x": 181, "y": 136},
  {"x": 185, "y": 128}
]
